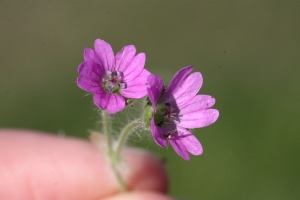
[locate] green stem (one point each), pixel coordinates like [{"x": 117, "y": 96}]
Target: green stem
[
  {"x": 120, "y": 180},
  {"x": 123, "y": 136},
  {"x": 114, "y": 156},
  {"x": 105, "y": 123}
]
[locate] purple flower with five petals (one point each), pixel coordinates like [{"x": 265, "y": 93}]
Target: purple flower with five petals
[
  {"x": 111, "y": 78},
  {"x": 178, "y": 108}
]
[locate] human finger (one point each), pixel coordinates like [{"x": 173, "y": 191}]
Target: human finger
[{"x": 36, "y": 165}]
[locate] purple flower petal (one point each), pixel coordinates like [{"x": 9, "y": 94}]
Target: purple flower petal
[
  {"x": 180, "y": 149},
  {"x": 124, "y": 57},
  {"x": 186, "y": 91},
  {"x": 90, "y": 55},
  {"x": 199, "y": 118},
  {"x": 155, "y": 87},
  {"x": 136, "y": 88},
  {"x": 91, "y": 70},
  {"x": 191, "y": 143},
  {"x": 176, "y": 82},
  {"x": 112, "y": 102},
  {"x": 90, "y": 79},
  {"x": 184, "y": 142},
  {"x": 88, "y": 85},
  {"x": 105, "y": 54},
  {"x": 135, "y": 67},
  {"x": 199, "y": 102},
  {"x": 157, "y": 134}
]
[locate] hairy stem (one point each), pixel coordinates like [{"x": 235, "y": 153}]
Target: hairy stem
[
  {"x": 110, "y": 152},
  {"x": 120, "y": 180},
  {"x": 114, "y": 153},
  {"x": 105, "y": 123},
  {"x": 124, "y": 134}
]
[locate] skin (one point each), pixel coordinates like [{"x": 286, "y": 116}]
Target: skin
[{"x": 37, "y": 165}]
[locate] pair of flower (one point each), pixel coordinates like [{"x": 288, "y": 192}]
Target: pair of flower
[{"x": 173, "y": 109}]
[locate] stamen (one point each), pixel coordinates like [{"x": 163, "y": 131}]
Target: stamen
[
  {"x": 113, "y": 82},
  {"x": 169, "y": 112},
  {"x": 123, "y": 85},
  {"x": 108, "y": 73},
  {"x": 165, "y": 115},
  {"x": 170, "y": 133},
  {"x": 109, "y": 88}
]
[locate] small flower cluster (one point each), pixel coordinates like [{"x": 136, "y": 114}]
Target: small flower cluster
[{"x": 170, "y": 111}]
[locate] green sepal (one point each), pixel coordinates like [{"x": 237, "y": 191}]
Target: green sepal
[{"x": 148, "y": 113}]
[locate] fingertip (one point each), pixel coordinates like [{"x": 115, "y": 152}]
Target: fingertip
[
  {"x": 69, "y": 168},
  {"x": 138, "y": 195},
  {"x": 147, "y": 171}
]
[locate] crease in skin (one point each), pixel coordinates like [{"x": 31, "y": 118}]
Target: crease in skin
[{"x": 35, "y": 165}]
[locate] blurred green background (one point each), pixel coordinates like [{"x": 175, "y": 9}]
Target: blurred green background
[{"x": 247, "y": 51}]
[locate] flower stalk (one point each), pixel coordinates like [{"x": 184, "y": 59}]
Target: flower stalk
[
  {"x": 119, "y": 178},
  {"x": 114, "y": 154},
  {"x": 106, "y": 125},
  {"x": 124, "y": 135}
]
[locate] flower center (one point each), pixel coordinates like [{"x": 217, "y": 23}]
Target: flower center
[
  {"x": 169, "y": 112},
  {"x": 113, "y": 82},
  {"x": 165, "y": 115}
]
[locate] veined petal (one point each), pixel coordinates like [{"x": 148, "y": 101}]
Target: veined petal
[
  {"x": 90, "y": 55},
  {"x": 135, "y": 67},
  {"x": 199, "y": 118},
  {"x": 136, "y": 88},
  {"x": 186, "y": 91},
  {"x": 176, "y": 83},
  {"x": 184, "y": 142},
  {"x": 116, "y": 104},
  {"x": 112, "y": 102},
  {"x": 158, "y": 134},
  {"x": 91, "y": 70},
  {"x": 155, "y": 87},
  {"x": 88, "y": 85},
  {"x": 199, "y": 102},
  {"x": 191, "y": 143},
  {"x": 180, "y": 149},
  {"x": 124, "y": 57},
  {"x": 101, "y": 100},
  {"x": 105, "y": 54}
]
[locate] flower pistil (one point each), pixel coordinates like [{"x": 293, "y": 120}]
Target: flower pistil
[
  {"x": 113, "y": 82},
  {"x": 165, "y": 114}
]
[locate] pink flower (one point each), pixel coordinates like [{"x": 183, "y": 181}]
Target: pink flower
[
  {"x": 111, "y": 78},
  {"x": 177, "y": 109}
]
